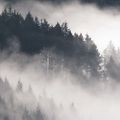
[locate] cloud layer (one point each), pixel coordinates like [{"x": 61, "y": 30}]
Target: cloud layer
[{"x": 99, "y": 3}]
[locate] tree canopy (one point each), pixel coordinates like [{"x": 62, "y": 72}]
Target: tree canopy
[{"x": 34, "y": 36}]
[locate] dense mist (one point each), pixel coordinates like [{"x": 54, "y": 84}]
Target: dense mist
[
  {"x": 51, "y": 65},
  {"x": 31, "y": 90}
]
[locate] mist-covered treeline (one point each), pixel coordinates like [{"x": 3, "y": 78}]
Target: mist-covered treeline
[
  {"x": 49, "y": 73},
  {"x": 13, "y": 107},
  {"x": 22, "y": 104},
  {"x": 32, "y": 36},
  {"x": 59, "y": 46}
]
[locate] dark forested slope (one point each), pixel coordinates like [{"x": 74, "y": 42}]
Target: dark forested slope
[{"x": 34, "y": 36}]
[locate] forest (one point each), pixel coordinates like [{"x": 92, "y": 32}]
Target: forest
[
  {"x": 49, "y": 50},
  {"x": 78, "y": 53},
  {"x": 31, "y": 36},
  {"x": 34, "y": 36}
]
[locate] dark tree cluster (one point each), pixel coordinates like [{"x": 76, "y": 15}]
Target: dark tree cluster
[{"x": 34, "y": 36}]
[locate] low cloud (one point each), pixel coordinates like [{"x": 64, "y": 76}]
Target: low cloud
[{"x": 100, "y": 3}]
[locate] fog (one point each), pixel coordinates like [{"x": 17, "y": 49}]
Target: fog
[{"x": 59, "y": 94}]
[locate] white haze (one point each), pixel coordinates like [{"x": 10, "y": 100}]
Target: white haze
[{"x": 60, "y": 94}]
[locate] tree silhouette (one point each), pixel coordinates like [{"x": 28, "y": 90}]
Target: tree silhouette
[{"x": 19, "y": 86}]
